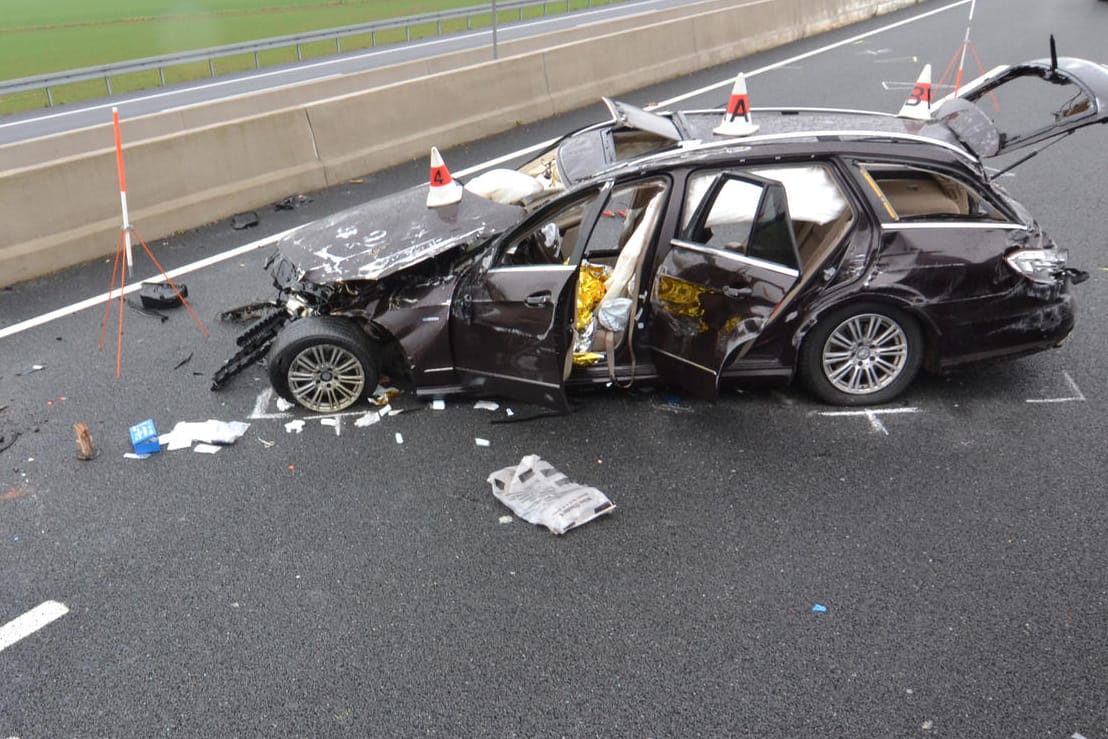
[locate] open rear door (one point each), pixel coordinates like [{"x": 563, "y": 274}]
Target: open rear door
[
  {"x": 1016, "y": 106},
  {"x": 717, "y": 288}
]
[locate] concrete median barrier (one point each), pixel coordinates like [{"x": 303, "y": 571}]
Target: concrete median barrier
[{"x": 197, "y": 164}]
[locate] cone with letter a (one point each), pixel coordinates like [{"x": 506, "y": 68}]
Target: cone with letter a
[
  {"x": 736, "y": 121},
  {"x": 918, "y": 104},
  {"x": 443, "y": 190}
]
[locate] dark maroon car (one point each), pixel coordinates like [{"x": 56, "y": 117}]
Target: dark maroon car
[{"x": 847, "y": 249}]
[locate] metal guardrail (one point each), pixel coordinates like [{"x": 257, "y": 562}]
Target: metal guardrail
[{"x": 161, "y": 63}]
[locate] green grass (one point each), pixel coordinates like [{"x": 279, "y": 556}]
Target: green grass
[{"x": 42, "y": 36}]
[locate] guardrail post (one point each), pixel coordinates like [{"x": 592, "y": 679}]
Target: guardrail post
[
  {"x": 108, "y": 84},
  {"x": 49, "y": 98},
  {"x": 257, "y": 65},
  {"x": 438, "y": 27},
  {"x": 407, "y": 33},
  {"x": 299, "y": 56},
  {"x": 211, "y": 66},
  {"x": 338, "y": 45},
  {"x": 161, "y": 76},
  {"x": 373, "y": 39}
]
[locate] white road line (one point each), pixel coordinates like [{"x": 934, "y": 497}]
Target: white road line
[
  {"x": 99, "y": 300},
  {"x": 30, "y": 622},
  {"x": 872, "y": 416},
  {"x": 1077, "y": 397},
  {"x": 137, "y": 285}
]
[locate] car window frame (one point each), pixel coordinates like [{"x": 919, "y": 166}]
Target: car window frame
[{"x": 887, "y": 213}]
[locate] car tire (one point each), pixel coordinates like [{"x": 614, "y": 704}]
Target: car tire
[
  {"x": 861, "y": 354},
  {"x": 323, "y": 363}
]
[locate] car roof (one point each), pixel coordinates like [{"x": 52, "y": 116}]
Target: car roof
[{"x": 801, "y": 131}]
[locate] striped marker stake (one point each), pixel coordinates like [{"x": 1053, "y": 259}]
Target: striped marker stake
[
  {"x": 123, "y": 247},
  {"x": 736, "y": 121}
]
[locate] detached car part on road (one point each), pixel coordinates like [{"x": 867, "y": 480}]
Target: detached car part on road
[{"x": 847, "y": 248}]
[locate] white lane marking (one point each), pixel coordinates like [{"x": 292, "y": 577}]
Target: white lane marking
[
  {"x": 872, "y": 416},
  {"x": 1077, "y": 397},
  {"x": 69, "y": 310},
  {"x": 511, "y": 29},
  {"x": 137, "y": 285},
  {"x": 30, "y": 622}
]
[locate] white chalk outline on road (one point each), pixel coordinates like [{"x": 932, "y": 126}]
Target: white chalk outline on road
[
  {"x": 41, "y": 615},
  {"x": 215, "y": 259},
  {"x": 871, "y": 415},
  {"x": 1077, "y": 397}
]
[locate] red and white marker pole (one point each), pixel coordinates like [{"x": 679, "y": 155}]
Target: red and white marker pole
[
  {"x": 965, "y": 44},
  {"x": 122, "y": 188}
]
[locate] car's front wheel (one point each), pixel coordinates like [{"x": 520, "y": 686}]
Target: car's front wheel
[
  {"x": 861, "y": 354},
  {"x": 323, "y": 363}
]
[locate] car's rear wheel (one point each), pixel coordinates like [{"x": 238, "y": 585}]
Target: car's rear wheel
[
  {"x": 323, "y": 363},
  {"x": 862, "y": 354}
]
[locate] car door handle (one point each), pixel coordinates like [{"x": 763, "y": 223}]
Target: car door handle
[
  {"x": 537, "y": 300},
  {"x": 732, "y": 291}
]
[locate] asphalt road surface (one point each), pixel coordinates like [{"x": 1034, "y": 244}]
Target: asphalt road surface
[{"x": 336, "y": 582}]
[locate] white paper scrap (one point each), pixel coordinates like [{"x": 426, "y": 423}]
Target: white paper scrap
[
  {"x": 206, "y": 448},
  {"x": 486, "y": 405},
  {"x": 399, "y": 438},
  {"x": 132, "y": 455},
  {"x": 509, "y": 412},
  {"x": 209, "y": 432},
  {"x": 367, "y": 420},
  {"x": 539, "y": 494},
  {"x": 295, "y": 427},
  {"x": 505, "y": 519},
  {"x": 481, "y": 442},
  {"x": 283, "y": 405},
  {"x": 438, "y": 405}
]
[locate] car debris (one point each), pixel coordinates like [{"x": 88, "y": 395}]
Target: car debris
[
  {"x": 143, "y": 310},
  {"x": 160, "y": 295},
  {"x": 249, "y": 219},
  {"x": 539, "y": 494},
  {"x": 183, "y": 362},
  {"x": 30, "y": 370},
  {"x": 292, "y": 202}
]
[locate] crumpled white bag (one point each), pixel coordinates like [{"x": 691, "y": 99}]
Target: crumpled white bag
[{"x": 539, "y": 494}]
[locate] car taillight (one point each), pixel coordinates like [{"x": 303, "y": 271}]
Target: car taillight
[{"x": 1038, "y": 265}]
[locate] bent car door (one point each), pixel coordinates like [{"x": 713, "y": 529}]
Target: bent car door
[
  {"x": 1011, "y": 107},
  {"x": 719, "y": 285},
  {"x": 511, "y": 320}
]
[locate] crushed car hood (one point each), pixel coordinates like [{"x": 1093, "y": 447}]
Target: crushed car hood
[{"x": 385, "y": 236}]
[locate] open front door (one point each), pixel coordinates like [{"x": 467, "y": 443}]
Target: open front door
[
  {"x": 512, "y": 320},
  {"x": 718, "y": 287}
]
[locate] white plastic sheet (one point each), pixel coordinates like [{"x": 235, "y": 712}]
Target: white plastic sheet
[{"x": 539, "y": 494}]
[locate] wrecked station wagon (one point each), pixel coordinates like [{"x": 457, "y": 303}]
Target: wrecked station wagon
[{"x": 844, "y": 248}]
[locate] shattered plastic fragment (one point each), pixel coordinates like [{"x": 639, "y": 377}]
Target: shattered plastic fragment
[
  {"x": 819, "y": 608},
  {"x": 132, "y": 455},
  {"x": 294, "y": 427},
  {"x": 283, "y": 405},
  {"x": 32, "y": 368},
  {"x": 206, "y": 448},
  {"x": 505, "y": 519},
  {"x": 244, "y": 220},
  {"x": 399, "y": 438},
  {"x": 265, "y": 443},
  {"x": 486, "y": 405},
  {"x": 438, "y": 405},
  {"x": 538, "y": 493},
  {"x": 481, "y": 442}
]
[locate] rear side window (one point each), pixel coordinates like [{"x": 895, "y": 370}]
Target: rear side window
[{"x": 912, "y": 193}]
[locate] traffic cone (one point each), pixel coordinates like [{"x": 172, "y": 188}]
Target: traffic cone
[
  {"x": 736, "y": 121},
  {"x": 918, "y": 104},
  {"x": 444, "y": 190}
]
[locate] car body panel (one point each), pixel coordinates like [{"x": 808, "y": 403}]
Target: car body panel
[{"x": 379, "y": 238}]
